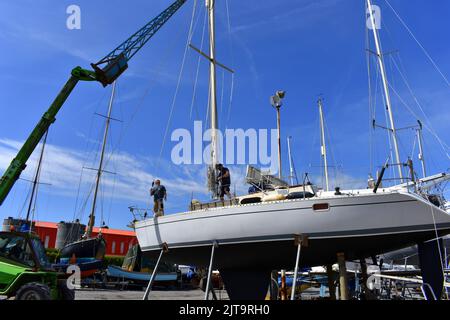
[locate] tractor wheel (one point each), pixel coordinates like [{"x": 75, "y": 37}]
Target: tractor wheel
[
  {"x": 33, "y": 291},
  {"x": 66, "y": 293}
]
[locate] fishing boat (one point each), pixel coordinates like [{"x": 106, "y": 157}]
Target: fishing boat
[{"x": 249, "y": 236}]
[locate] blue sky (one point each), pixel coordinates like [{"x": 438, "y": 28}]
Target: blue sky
[{"x": 304, "y": 47}]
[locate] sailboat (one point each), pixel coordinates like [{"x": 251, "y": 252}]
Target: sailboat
[
  {"x": 27, "y": 224},
  {"x": 249, "y": 236},
  {"x": 88, "y": 252}
]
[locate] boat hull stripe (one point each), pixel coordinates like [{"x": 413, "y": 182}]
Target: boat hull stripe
[
  {"x": 275, "y": 210},
  {"x": 341, "y": 234}
]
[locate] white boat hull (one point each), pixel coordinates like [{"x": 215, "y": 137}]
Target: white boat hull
[{"x": 262, "y": 235}]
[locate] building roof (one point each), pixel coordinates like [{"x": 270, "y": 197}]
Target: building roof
[{"x": 54, "y": 225}]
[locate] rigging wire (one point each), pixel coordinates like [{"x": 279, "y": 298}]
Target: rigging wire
[
  {"x": 164, "y": 59},
  {"x": 88, "y": 149},
  {"x": 174, "y": 100},
  {"x": 231, "y": 101},
  {"x": 208, "y": 106},
  {"x": 419, "y": 43},
  {"x": 427, "y": 123},
  {"x": 438, "y": 245},
  {"x": 413, "y": 151},
  {"x": 443, "y": 145},
  {"x": 222, "y": 91},
  {"x": 371, "y": 112},
  {"x": 198, "y": 70},
  {"x": 231, "y": 48}
]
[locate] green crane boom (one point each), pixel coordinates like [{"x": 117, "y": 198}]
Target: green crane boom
[{"x": 106, "y": 71}]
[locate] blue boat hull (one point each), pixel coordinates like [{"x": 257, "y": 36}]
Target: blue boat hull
[{"x": 119, "y": 273}]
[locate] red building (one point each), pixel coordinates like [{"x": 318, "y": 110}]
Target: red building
[{"x": 117, "y": 241}]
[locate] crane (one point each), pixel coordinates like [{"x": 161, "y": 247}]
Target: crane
[{"x": 105, "y": 71}]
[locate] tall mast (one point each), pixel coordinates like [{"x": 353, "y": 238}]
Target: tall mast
[
  {"x": 210, "y": 4},
  {"x": 292, "y": 172},
  {"x": 323, "y": 148},
  {"x": 36, "y": 177},
  {"x": 421, "y": 156},
  {"x": 100, "y": 166},
  {"x": 385, "y": 87}
]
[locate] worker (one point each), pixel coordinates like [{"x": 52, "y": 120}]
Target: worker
[
  {"x": 159, "y": 194},
  {"x": 224, "y": 180}
]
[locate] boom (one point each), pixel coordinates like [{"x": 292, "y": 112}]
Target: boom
[{"x": 105, "y": 71}]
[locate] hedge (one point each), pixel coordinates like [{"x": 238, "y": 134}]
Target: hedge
[{"x": 52, "y": 254}]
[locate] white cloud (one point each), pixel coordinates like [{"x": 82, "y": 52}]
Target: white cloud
[{"x": 62, "y": 168}]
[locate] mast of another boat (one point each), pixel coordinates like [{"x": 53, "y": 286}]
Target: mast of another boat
[
  {"x": 36, "y": 179},
  {"x": 293, "y": 173},
  {"x": 387, "y": 96},
  {"x": 100, "y": 166},
  {"x": 210, "y": 5},
  {"x": 323, "y": 148}
]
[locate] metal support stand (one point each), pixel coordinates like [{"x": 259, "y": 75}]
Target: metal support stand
[
  {"x": 283, "y": 290},
  {"x": 364, "y": 290},
  {"x": 299, "y": 242},
  {"x": 274, "y": 285},
  {"x": 294, "y": 283},
  {"x": 331, "y": 285},
  {"x": 155, "y": 271},
  {"x": 445, "y": 267},
  {"x": 211, "y": 262},
  {"x": 343, "y": 282}
]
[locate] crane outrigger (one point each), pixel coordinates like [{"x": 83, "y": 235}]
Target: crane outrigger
[{"x": 106, "y": 71}]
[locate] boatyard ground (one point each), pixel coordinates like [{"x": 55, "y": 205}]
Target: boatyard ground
[
  {"x": 182, "y": 294},
  {"x": 98, "y": 294}
]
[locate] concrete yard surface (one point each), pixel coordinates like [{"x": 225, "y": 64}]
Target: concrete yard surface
[{"x": 102, "y": 294}]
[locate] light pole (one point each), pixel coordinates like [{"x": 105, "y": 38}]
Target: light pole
[{"x": 277, "y": 101}]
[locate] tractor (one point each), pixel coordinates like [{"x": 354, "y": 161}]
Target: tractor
[{"x": 25, "y": 272}]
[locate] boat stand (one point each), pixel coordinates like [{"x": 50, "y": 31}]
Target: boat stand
[
  {"x": 299, "y": 242},
  {"x": 331, "y": 284},
  {"x": 211, "y": 263},
  {"x": 155, "y": 271},
  {"x": 343, "y": 281}
]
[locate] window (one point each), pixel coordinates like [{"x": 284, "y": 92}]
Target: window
[
  {"x": 113, "y": 247},
  {"x": 47, "y": 240},
  {"x": 321, "y": 207},
  {"x": 122, "y": 247},
  {"x": 16, "y": 248}
]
